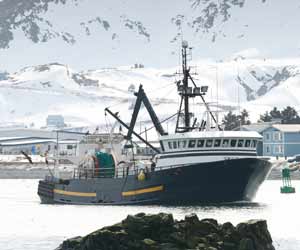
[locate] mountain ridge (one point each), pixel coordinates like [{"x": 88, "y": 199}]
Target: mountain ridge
[{"x": 257, "y": 85}]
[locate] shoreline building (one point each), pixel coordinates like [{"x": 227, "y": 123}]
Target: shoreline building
[
  {"x": 38, "y": 141},
  {"x": 279, "y": 140},
  {"x": 55, "y": 121}
]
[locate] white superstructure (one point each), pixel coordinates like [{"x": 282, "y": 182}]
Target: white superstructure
[{"x": 207, "y": 146}]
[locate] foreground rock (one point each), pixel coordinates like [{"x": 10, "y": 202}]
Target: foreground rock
[{"x": 162, "y": 232}]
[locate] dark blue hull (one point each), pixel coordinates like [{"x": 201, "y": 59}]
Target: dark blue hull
[{"x": 215, "y": 182}]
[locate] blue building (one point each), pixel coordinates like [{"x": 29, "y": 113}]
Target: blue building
[
  {"x": 282, "y": 140},
  {"x": 279, "y": 140}
]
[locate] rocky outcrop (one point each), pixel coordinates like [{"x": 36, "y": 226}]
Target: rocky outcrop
[{"x": 162, "y": 232}]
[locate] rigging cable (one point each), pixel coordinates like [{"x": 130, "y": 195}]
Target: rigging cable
[
  {"x": 143, "y": 111},
  {"x": 160, "y": 122}
]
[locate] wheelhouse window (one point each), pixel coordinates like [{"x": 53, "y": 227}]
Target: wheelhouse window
[
  {"x": 181, "y": 144},
  {"x": 209, "y": 143},
  {"x": 174, "y": 144},
  {"x": 240, "y": 143},
  {"x": 192, "y": 143},
  {"x": 200, "y": 143},
  {"x": 170, "y": 145},
  {"x": 217, "y": 143},
  {"x": 225, "y": 143},
  {"x": 233, "y": 143},
  {"x": 247, "y": 143},
  {"x": 253, "y": 144}
]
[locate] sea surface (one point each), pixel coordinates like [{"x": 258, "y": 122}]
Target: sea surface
[{"x": 25, "y": 224}]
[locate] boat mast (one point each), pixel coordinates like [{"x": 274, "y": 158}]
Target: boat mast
[
  {"x": 186, "y": 92},
  {"x": 185, "y": 85}
]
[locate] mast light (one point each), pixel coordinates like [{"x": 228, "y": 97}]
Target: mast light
[
  {"x": 189, "y": 90},
  {"x": 185, "y": 44},
  {"x": 196, "y": 90},
  {"x": 180, "y": 88},
  {"x": 204, "y": 89}
]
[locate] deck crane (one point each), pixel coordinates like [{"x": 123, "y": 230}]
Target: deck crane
[{"x": 141, "y": 98}]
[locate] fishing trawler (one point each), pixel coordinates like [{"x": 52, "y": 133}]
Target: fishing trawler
[{"x": 199, "y": 163}]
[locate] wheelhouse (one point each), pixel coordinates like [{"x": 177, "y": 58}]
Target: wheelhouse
[{"x": 218, "y": 140}]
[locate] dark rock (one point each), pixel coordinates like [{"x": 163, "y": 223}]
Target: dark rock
[
  {"x": 229, "y": 246},
  {"x": 149, "y": 244},
  {"x": 168, "y": 246},
  {"x": 192, "y": 219},
  {"x": 213, "y": 237},
  {"x": 201, "y": 246},
  {"x": 246, "y": 244},
  {"x": 114, "y": 228},
  {"x": 161, "y": 232},
  {"x": 211, "y": 221},
  {"x": 227, "y": 227},
  {"x": 207, "y": 227},
  {"x": 142, "y": 226},
  {"x": 230, "y": 233},
  {"x": 193, "y": 241},
  {"x": 140, "y": 215},
  {"x": 72, "y": 243},
  {"x": 178, "y": 238},
  {"x": 257, "y": 231}
]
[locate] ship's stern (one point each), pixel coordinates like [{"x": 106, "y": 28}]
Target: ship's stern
[{"x": 46, "y": 191}]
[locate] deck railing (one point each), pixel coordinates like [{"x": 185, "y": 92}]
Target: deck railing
[{"x": 119, "y": 172}]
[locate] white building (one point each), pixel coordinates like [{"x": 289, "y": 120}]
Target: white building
[{"x": 38, "y": 141}]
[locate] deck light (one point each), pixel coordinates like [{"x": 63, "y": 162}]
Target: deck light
[
  {"x": 196, "y": 90},
  {"x": 204, "y": 89}
]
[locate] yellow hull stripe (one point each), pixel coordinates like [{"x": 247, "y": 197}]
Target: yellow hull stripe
[
  {"x": 143, "y": 191},
  {"x": 58, "y": 191}
]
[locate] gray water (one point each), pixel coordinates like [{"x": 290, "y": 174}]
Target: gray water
[{"x": 26, "y": 224}]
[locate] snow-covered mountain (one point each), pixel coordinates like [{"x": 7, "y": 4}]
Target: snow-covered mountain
[
  {"x": 88, "y": 34},
  {"x": 238, "y": 37},
  {"x": 32, "y": 93}
]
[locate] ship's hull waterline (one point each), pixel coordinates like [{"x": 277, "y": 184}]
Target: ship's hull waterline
[{"x": 215, "y": 182}]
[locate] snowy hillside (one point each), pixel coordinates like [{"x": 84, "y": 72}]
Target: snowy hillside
[
  {"x": 87, "y": 34},
  {"x": 32, "y": 93}
]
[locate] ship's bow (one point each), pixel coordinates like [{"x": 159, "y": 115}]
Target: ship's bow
[{"x": 261, "y": 169}]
